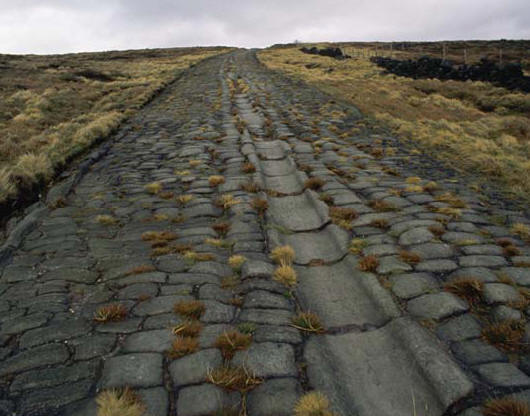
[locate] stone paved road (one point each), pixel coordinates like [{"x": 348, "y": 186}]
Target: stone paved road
[{"x": 218, "y": 167}]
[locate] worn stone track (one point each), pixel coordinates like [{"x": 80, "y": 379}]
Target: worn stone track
[{"x": 396, "y": 343}]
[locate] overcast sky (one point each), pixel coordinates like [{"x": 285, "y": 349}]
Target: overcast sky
[{"x": 56, "y": 26}]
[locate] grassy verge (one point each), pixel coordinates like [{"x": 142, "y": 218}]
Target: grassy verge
[
  {"x": 473, "y": 125},
  {"x": 54, "y": 107}
]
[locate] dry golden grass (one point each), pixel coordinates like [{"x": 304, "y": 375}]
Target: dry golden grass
[
  {"x": 106, "y": 220},
  {"x": 357, "y": 245},
  {"x": 52, "y": 108},
  {"x": 381, "y": 206},
  {"x": 194, "y": 256},
  {"x": 231, "y": 342},
  {"x": 475, "y": 126},
  {"x": 236, "y": 261},
  {"x": 226, "y": 201},
  {"x": 285, "y": 275},
  {"x": 153, "y": 188},
  {"x": 216, "y": 180},
  {"x": 313, "y": 404},
  {"x": 521, "y": 230},
  {"x": 119, "y": 402},
  {"x": 158, "y": 236},
  {"x": 192, "y": 309},
  {"x": 110, "y": 313},
  {"x": 283, "y": 255},
  {"x": 308, "y": 321},
  {"x": 250, "y": 187},
  {"x": 184, "y": 199},
  {"x": 233, "y": 378}
]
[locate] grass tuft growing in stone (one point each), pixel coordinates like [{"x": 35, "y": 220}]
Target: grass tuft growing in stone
[
  {"x": 234, "y": 378},
  {"x": 451, "y": 199},
  {"x": 226, "y": 201},
  {"x": 143, "y": 268},
  {"x": 236, "y": 262},
  {"x": 521, "y": 230},
  {"x": 189, "y": 328},
  {"x": 221, "y": 228},
  {"x": 505, "y": 406},
  {"x": 368, "y": 263},
  {"x": 379, "y": 223},
  {"x": 285, "y": 275},
  {"x": 467, "y": 288},
  {"x": 506, "y": 335},
  {"x": 192, "y": 309},
  {"x": 381, "y": 206},
  {"x": 357, "y": 245},
  {"x": 308, "y": 322},
  {"x": 250, "y": 187},
  {"x": 248, "y": 168},
  {"x": 216, "y": 180},
  {"x": 437, "y": 230},
  {"x": 313, "y": 404},
  {"x": 409, "y": 257},
  {"x": 326, "y": 198},
  {"x": 260, "y": 205},
  {"x": 106, "y": 220},
  {"x": 283, "y": 255},
  {"x": 158, "y": 236},
  {"x": 110, "y": 313},
  {"x": 193, "y": 256},
  {"x": 184, "y": 199},
  {"x": 231, "y": 342},
  {"x": 153, "y": 188},
  {"x": 183, "y": 345},
  {"x": 119, "y": 402},
  {"x": 314, "y": 183}
]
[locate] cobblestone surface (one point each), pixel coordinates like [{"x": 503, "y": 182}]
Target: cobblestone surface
[{"x": 409, "y": 278}]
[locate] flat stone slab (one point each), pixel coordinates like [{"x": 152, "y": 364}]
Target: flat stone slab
[
  {"x": 437, "y": 305},
  {"x": 135, "y": 370},
  {"x": 268, "y": 359},
  {"x": 342, "y": 295},
  {"x": 401, "y": 362},
  {"x": 193, "y": 368},
  {"x": 290, "y": 184},
  {"x": 329, "y": 244},
  {"x": 278, "y": 167},
  {"x": 298, "y": 213}
]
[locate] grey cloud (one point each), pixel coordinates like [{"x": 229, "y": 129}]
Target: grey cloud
[{"x": 49, "y": 26}]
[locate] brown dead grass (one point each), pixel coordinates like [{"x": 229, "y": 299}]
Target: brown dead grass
[
  {"x": 467, "y": 288},
  {"x": 193, "y": 309},
  {"x": 119, "y": 402},
  {"x": 475, "y": 126},
  {"x": 233, "y": 378},
  {"x": 110, "y": 313},
  {"x": 183, "y": 345},
  {"x": 368, "y": 263},
  {"x": 232, "y": 341},
  {"x": 506, "y": 335},
  {"x": 54, "y": 107},
  {"x": 505, "y": 406},
  {"x": 314, "y": 183}
]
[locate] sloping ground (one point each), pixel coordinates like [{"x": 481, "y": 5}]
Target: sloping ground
[
  {"x": 473, "y": 127},
  {"x": 55, "y": 107},
  {"x": 167, "y": 269}
]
